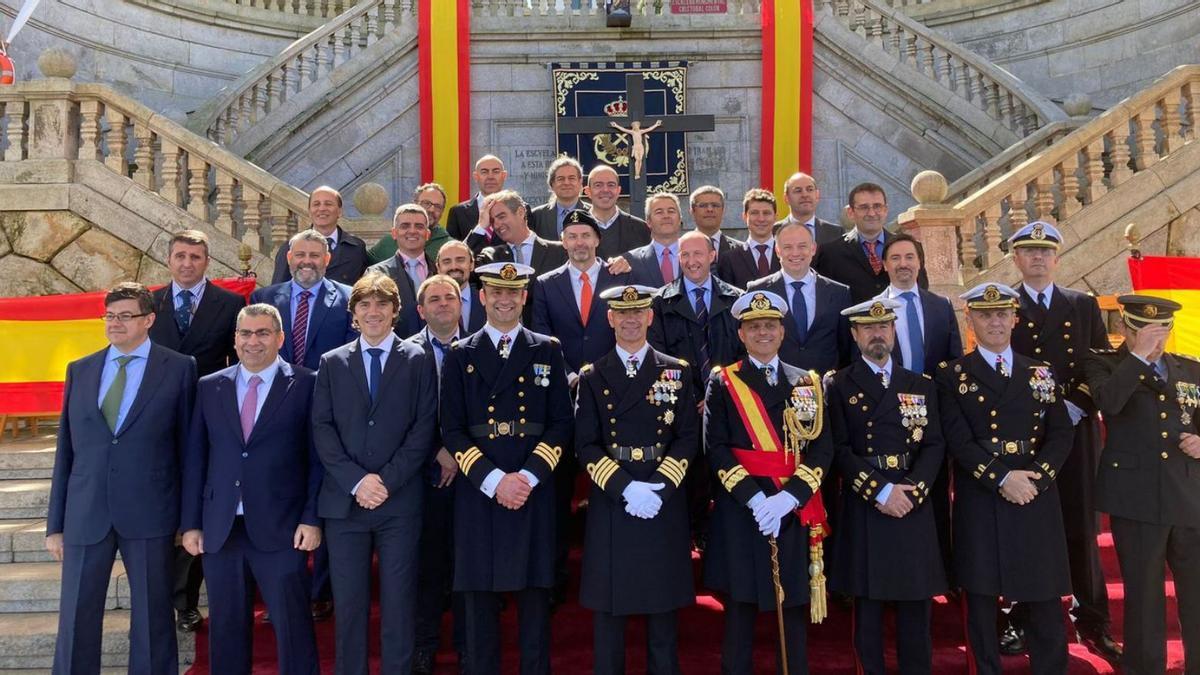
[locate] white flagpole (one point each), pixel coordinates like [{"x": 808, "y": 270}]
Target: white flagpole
[{"x": 19, "y": 22}]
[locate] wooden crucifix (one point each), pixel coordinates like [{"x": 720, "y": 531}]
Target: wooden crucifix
[{"x": 640, "y": 125}]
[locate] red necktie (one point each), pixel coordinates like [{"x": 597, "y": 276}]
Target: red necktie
[
  {"x": 876, "y": 263},
  {"x": 668, "y": 270},
  {"x": 585, "y": 298},
  {"x": 764, "y": 268}
]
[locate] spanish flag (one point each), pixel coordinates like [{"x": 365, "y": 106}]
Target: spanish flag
[
  {"x": 444, "y": 76},
  {"x": 43, "y": 334},
  {"x": 1176, "y": 279},
  {"x": 787, "y": 79}
]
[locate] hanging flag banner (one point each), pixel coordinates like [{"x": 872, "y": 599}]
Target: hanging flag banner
[
  {"x": 1178, "y": 279},
  {"x": 444, "y": 65},
  {"x": 787, "y": 75},
  {"x": 43, "y": 334}
]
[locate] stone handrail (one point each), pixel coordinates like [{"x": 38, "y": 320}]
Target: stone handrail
[
  {"x": 1066, "y": 177},
  {"x": 938, "y": 12},
  {"x": 1012, "y": 156},
  {"x": 309, "y": 59},
  {"x": 55, "y": 119},
  {"x": 486, "y": 8},
  {"x": 967, "y": 76},
  {"x": 326, "y": 9}
]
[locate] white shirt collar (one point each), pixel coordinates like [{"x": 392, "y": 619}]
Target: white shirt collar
[
  {"x": 495, "y": 334},
  {"x": 808, "y": 279},
  {"x": 605, "y": 224},
  {"x": 886, "y": 368},
  {"x": 640, "y": 354},
  {"x": 266, "y": 374},
  {"x": 893, "y": 292},
  {"x": 142, "y": 351},
  {"x": 386, "y": 345},
  {"x": 429, "y": 336},
  {"x": 576, "y": 273},
  {"x": 774, "y": 363},
  {"x": 990, "y": 356},
  {"x": 770, "y": 242},
  {"x": 196, "y": 290},
  {"x": 1033, "y": 292}
]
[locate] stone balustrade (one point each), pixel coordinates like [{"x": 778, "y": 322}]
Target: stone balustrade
[
  {"x": 318, "y": 8},
  {"x": 483, "y": 8},
  {"x": 1059, "y": 181},
  {"x": 52, "y": 121},
  {"x": 967, "y": 77}
]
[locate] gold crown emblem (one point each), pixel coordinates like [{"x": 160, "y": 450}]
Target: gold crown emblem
[
  {"x": 618, "y": 108},
  {"x": 760, "y": 302},
  {"x": 877, "y": 310},
  {"x": 991, "y": 294},
  {"x": 508, "y": 272},
  {"x": 1038, "y": 233},
  {"x": 630, "y": 294},
  {"x": 1149, "y": 311}
]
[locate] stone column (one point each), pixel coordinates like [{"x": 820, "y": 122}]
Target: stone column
[{"x": 935, "y": 224}]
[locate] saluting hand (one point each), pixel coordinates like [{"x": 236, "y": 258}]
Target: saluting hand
[
  {"x": 513, "y": 490},
  {"x": 898, "y": 504},
  {"x": 1189, "y": 444},
  {"x": 1018, "y": 488},
  {"x": 1149, "y": 341}
]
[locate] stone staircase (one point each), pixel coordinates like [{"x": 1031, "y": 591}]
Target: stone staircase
[{"x": 30, "y": 578}]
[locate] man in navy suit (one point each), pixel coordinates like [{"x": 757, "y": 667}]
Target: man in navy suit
[
  {"x": 565, "y": 178},
  {"x": 755, "y": 258},
  {"x": 193, "y": 316},
  {"x": 455, "y": 260},
  {"x": 817, "y": 335},
  {"x": 374, "y": 412},
  {"x": 926, "y": 334},
  {"x": 802, "y": 195},
  {"x": 250, "y": 486},
  {"x": 621, "y": 231},
  {"x": 489, "y": 175},
  {"x": 410, "y": 266},
  {"x": 315, "y": 320},
  {"x": 350, "y": 257},
  {"x": 856, "y": 259},
  {"x": 657, "y": 264},
  {"x": 707, "y": 205},
  {"x": 440, "y": 305},
  {"x": 567, "y": 305},
  {"x": 115, "y": 486}
]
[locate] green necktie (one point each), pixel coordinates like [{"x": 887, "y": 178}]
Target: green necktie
[{"x": 110, "y": 407}]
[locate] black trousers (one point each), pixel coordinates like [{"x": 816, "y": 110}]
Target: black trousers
[
  {"x": 435, "y": 573},
  {"x": 564, "y": 492},
  {"x": 483, "y": 631},
  {"x": 914, "y": 645},
  {"x": 662, "y": 640},
  {"x": 737, "y": 645},
  {"x": 352, "y": 541},
  {"x": 188, "y": 574},
  {"x": 939, "y": 495},
  {"x": 1144, "y": 550},
  {"x": 698, "y": 488},
  {"x": 86, "y": 570},
  {"x": 1045, "y": 635}
]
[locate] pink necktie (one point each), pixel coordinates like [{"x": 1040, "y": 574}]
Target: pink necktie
[
  {"x": 668, "y": 270},
  {"x": 250, "y": 406}
]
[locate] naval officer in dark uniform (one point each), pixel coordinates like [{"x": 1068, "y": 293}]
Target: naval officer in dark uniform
[
  {"x": 1148, "y": 475},
  {"x": 1007, "y": 428},
  {"x": 506, "y": 415},
  {"x": 769, "y": 465},
  {"x": 888, "y": 444},
  {"x": 636, "y": 433}
]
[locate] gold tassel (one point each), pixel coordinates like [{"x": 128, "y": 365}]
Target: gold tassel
[{"x": 816, "y": 581}]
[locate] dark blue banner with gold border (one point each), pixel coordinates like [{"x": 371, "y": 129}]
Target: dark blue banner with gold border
[{"x": 598, "y": 90}]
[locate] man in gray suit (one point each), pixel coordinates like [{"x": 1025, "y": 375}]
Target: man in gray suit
[{"x": 115, "y": 486}]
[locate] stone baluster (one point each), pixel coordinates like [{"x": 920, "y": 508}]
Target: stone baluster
[
  {"x": 170, "y": 188},
  {"x": 338, "y": 50},
  {"x": 390, "y": 21},
  {"x": 1094, "y": 170},
  {"x": 927, "y": 58},
  {"x": 897, "y": 39},
  {"x": 15, "y": 131},
  {"x": 115, "y": 140},
  {"x": 197, "y": 186},
  {"x": 1169, "y": 107},
  {"x": 1143, "y": 139},
  {"x": 943, "y": 69},
  {"x": 910, "y": 49},
  {"x": 354, "y": 30},
  {"x": 1070, "y": 186},
  {"x": 991, "y": 236},
  {"x": 89, "y": 129},
  {"x": 373, "y": 23},
  {"x": 280, "y": 227},
  {"x": 968, "y": 252},
  {"x": 1191, "y": 98},
  {"x": 282, "y": 93},
  {"x": 936, "y": 224},
  {"x": 252, "y": 218},
  {"x": 1018, "y": 217},
  {"x": 875, "y": 32},
  {"x": 1043, "y": 199},
  {"x": 963, "y": 82},
  {"x": 858, "y": 20},
  {"x": 1006, "y": 108},
  {"x": 224, "y": 200},
  {"x": 1120, "y": 155},
  {"x": 842, "y": 7},
  {"x": 302, "y": 68},
  {"x": 143, "y": 156}
]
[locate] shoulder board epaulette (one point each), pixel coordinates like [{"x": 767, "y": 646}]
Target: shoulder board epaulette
[
  {"x": 943, "y": 364},
  {"x": 1189, "y": 357},
  {"x": 1103, "y": 351},
  {"x": 585, "y": 368},
  {"x": 682, "y": 362},
  {"x": 926, "y": 376}
]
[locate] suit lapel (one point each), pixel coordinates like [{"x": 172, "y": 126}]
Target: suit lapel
[
  {"x": 227, "y": 400},
  {"x": 393, "y": 365},
  {"x": 866, "y": 379},
  {"x": 285, "y": 377},
  {"x": 322, "y": 300},
  {"x": 562, "y": 283},
  {"x": 638, "y": 386},
  {"x": 986, "y": 374},
  {"x": 89, "y": 381},
  {"x": 151, "y": 379},
  {"x": 1059, "y": 312},
  {"x": 484, "y": 357},
  {"x": 358, "y": 367},
  {"x": 538, "y": 253}
]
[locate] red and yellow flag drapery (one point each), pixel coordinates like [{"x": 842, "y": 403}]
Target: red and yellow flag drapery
[
  {"x": 1176, "y": 279},
  {"x": 787, "y": 75},
  {"x": 43, "y": 334},
  {"x": 444, "y": 73}
]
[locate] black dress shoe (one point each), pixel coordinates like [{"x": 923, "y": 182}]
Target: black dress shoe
[
  {"x": 423, "y": 663},
  {"x": 1102, "y": 644},
  {"x": 188, "y": 621},
  {"x": 1012, "y": 641},
  {"x": 322, "y": 610}
]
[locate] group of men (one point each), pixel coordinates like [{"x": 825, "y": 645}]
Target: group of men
[{"x": 797, "y": 406}]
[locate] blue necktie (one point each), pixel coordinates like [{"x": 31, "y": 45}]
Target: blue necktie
[
  {"x": 800, "y": 311},
  {"x": 376, "y": 371},
  {"x": 916, "y": 342},
  {"x": 183, "y": 312}
]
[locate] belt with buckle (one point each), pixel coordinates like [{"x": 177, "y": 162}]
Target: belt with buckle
[
  {"x": 1012, "y": 447},
  {"x": 889, "y": 461},
  {"x": 626, "y": 453},
  {"x": 506, "y": 428}
]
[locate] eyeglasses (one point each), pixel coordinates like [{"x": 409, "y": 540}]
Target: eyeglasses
[
  {"x": 123, "y": 317},
  {"x": 261, "y": 333},
  {"x": 426, "y": 204},
  {"x": 864, "y": 208}
]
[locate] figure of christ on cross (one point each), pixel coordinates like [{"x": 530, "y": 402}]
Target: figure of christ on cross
[{"x": 640, "y": 124}]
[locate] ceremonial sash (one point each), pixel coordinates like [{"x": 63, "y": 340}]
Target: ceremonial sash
[{"x": 767, "y": 459}]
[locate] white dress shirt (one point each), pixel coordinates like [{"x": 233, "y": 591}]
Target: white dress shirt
[
  {"x": 902, "y": 318},
  {"x": 242, "y": 387},
  {"x": 576, "y": 275},
  {"x": 809, "y": 290}
]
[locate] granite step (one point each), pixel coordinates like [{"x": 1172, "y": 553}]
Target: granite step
[
  {"x": 23, "y": 540},
  {"x": 24, "y": 498},
  {"x": 35, "y": 587},
  {"x": 27, "y": 642},
  {"x": 27, "y": 457}
]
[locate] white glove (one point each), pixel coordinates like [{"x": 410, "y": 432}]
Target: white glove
[
  {"x": 770, "y": 512},
  {"x": 641, "y": 500},
  {"x": 1075, "y": 412}
]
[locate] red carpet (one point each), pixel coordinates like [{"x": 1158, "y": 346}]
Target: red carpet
[{"x": 830, "y": 649}]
